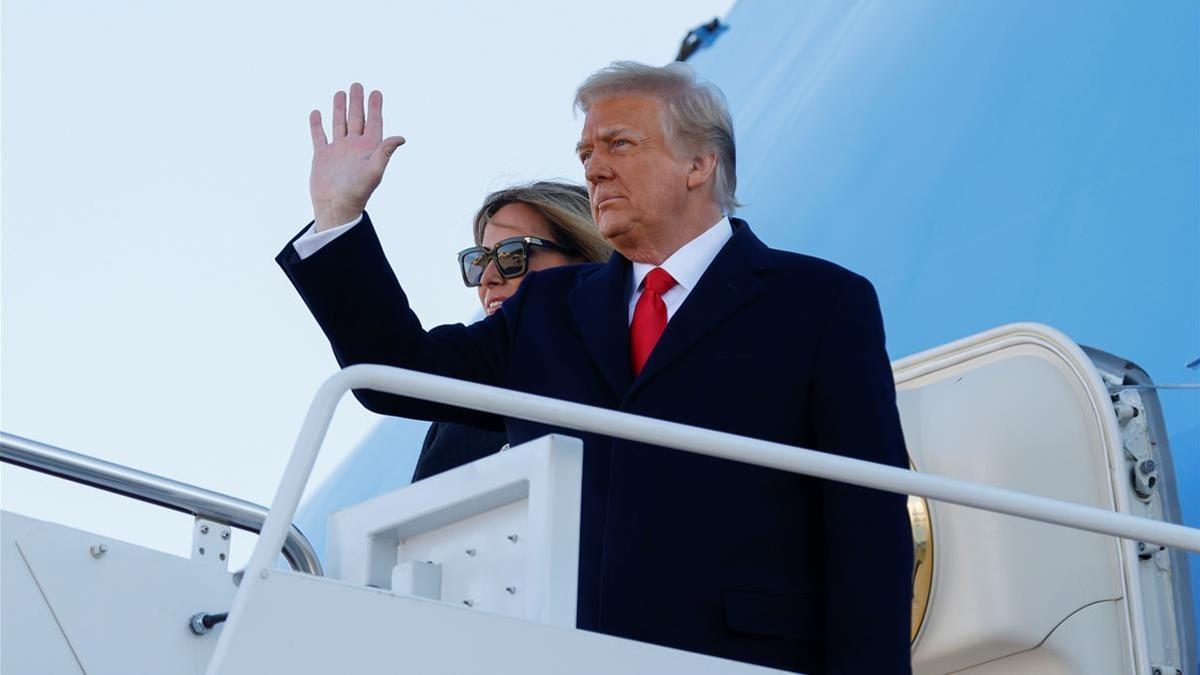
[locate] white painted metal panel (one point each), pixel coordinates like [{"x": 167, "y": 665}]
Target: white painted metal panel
[
  {"x": 1012, "y": 409},
  {"x": 31, "y": 643},
  {"x": 1074, "y": 648},
  {"x": 481, "y": 558},
  {"x": 122, "y": 608},
  {"x": 298, "y": 624},
  {"x": 504, "y": 529}
]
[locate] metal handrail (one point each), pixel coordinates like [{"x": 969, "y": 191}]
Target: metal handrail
[
  {"x": 697, "y": 440},
  {"x": 682, "y": 437},
  {"x": 156, "y": 490}
]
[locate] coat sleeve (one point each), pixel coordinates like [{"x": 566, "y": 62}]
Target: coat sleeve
[
  {"x": 448, "y": 446},
  {"x": 353, "y": 294},
  {"x": 868, "y": 542}
]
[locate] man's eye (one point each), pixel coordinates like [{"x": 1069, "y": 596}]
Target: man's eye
[
  {"x": 585, "y": 156},
  {"x": 619, "y": 142}
]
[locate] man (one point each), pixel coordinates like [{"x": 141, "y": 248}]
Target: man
[{"x": 694, "y": 321}]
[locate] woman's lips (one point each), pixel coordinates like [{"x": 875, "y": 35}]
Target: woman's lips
[{"x": 492, "y": 305}]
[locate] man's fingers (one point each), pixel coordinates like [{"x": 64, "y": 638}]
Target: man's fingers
[
  {"x": 375, "y": 114},
  {"x": 317, "y": 130},
  {"x": 355, "y": 119},
  {"x": 339, "y": 115},
  {"x": 391, "y": 143},
  {"x": 384, "y": 152}
]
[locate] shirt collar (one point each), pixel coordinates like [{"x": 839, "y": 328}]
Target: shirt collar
[{"x": 687, "y": 264}]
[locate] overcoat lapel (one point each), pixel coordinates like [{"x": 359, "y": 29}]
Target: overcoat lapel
[
  {"x": 730, "y": 282},
  {"x": 601, "y": 308}
]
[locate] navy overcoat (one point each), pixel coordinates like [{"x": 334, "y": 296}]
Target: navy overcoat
[{"x": 676, "y": 549}]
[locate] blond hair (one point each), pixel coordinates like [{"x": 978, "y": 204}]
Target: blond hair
[{"x": 564, "y": 205}]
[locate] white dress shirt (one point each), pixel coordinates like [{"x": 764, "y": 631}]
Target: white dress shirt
[
  {"x": 310, "y": 242},
  {"x": 685, "y": 266}
]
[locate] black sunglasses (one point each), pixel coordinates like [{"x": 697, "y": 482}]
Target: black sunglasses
[{"x": 511, "y": 256}]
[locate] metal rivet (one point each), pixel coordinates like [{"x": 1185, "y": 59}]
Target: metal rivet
[
  {"x": 471, "y": 552},
  {"x": 263, "y": 574},
  {"x": 512, "y": 590},
  {"x": 512, "y": 538},
  {"x": 203, "y": 529},
  {"x": 222, "y": 556},
  {"x": 98, "y": 550},
  {"x": 201, "y": 550},
  {"x": 469, "y": 603},
  {"x": 225, "y": 534}
]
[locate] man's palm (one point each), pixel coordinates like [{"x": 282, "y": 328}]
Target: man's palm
[{"x": 347, "y": 170}]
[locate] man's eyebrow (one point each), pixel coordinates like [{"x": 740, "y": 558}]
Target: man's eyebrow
[{"x": 605, "y": 134}]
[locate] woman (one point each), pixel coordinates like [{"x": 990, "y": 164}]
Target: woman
[{"x": 517, "y": 230}]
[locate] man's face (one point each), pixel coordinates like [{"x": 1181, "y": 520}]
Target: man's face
[{"x": 636, "y": 181}]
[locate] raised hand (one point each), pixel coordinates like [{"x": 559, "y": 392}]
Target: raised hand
[{"x": 346, "y": 171}]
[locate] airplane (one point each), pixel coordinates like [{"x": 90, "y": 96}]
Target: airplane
[
  {"x": 995, "y": 169},
  {"x": 1001, "y": 162}
]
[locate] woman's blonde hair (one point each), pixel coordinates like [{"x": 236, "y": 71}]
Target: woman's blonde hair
[{"x": 564, "y": 205}]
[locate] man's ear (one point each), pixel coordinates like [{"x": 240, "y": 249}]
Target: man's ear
[{"x": 701, "y": 170}]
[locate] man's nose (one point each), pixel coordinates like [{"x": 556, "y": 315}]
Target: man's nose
[{"x": 597, "y": 169}]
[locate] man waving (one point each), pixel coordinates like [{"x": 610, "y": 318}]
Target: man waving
[{"x": 694, "y": 320}]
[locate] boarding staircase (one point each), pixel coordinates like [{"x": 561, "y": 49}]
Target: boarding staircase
[{"x": 1043, "y": 503}]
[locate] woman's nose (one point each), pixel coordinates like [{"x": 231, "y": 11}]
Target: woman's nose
[{"x": 491, "y": 275}]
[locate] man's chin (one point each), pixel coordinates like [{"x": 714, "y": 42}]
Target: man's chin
[
  {"x": 613, "y": 230},
  {"x": 627, "y": 243}
]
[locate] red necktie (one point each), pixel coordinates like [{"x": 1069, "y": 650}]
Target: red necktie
[{"x": 649, "y": 317}]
